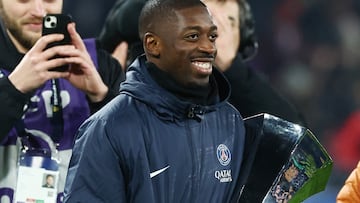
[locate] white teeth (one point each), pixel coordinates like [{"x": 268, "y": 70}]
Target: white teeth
[{"x": 202, "y": 65}]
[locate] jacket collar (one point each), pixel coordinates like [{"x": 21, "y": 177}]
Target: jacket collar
[{"x": 140, "y": 85}]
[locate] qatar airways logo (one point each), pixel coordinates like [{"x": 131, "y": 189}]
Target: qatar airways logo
[
  {"x": 224, "y": 156},
  {"x": 224, "y": 176}
]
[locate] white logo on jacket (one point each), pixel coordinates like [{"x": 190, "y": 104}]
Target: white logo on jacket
[
  {"x": 224, "y": 176},
  {"x": 224, "y": 156}
]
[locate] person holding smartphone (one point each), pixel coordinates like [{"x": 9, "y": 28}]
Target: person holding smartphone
[{"x": 41, "y": 109}]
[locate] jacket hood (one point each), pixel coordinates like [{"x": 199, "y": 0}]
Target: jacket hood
[{"x": 140, "y": 85}]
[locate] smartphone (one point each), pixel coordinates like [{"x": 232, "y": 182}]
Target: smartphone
[{"x": 57, "y": 23}]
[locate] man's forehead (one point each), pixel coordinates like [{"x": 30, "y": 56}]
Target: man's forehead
[{"x": 194, "y": 13}]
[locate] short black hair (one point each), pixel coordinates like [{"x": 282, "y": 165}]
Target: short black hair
[{"x": 157, "y": 12}]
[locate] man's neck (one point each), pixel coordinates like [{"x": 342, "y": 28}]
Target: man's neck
[{"x": 203, "y": 95}]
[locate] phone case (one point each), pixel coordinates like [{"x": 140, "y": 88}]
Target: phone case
[{"x": 57, "y": 23}]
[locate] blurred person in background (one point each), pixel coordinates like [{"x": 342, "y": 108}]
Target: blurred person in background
[
  {"x": 345, "y": 143},
  {"x": 89, "y": 24},
  {"x": 237, "y": 43},
  {"x": 312, "y": 47},
  {"x": 41, "y": 109}
]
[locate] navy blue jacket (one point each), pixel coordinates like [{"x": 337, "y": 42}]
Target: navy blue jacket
[{"x": 146, "y": 145}]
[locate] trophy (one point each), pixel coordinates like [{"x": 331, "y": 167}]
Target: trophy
[{"x": 287, "y": 162}]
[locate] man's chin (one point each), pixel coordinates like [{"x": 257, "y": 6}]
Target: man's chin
[{"x": 30, "y": 38}]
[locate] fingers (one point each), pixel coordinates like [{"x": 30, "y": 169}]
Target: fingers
[
  {"x": 32, "y": 72},
  {"x": 43, "y": 42},
  {"x": 34, "y": 68},
  {"x": 84, "y": 60},
  {"x": 75, "y": 37},
  {"x": 57, "y": 74},
  {"x": 68, "y": 55},
  {"x": 39, "y": 52},
  {"x": 37, "y": 61},
  {"x": 55, "y": 62},
  {"x": 61, "y": 54}
]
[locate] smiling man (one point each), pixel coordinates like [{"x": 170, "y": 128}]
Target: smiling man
[{"x": 171, "y": 135}]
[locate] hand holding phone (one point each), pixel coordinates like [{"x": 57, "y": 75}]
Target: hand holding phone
[{"x": 57, "y": 23}]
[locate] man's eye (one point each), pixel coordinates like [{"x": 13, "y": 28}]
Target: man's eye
[
  {"x": 192, "y": 36},
  {"x": 213, "y": 36}
]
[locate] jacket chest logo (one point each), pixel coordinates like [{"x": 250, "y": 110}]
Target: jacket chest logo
[{"x": 223, "y": 154}]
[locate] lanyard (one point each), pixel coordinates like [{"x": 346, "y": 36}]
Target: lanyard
[{"x": 57, "y": 119}]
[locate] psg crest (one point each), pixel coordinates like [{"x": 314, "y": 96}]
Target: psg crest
[{"x": 223, "y": 155}]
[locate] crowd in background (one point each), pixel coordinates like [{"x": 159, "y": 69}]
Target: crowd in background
[{"x": 310, "y": 51}]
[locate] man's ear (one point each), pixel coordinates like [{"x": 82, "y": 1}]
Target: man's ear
[{"x": 152, "y": 44}]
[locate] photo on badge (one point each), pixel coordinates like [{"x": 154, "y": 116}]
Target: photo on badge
[{"x": 48, "y": 181}]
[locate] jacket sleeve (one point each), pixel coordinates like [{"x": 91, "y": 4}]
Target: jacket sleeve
[
  {"x": 112, "y": 75},
  {"x": 12, "y": 106},
  {"x": 350, "y": 192},
  {"x": 94, "y": 173},
  {"x": 251, "y": 94}
]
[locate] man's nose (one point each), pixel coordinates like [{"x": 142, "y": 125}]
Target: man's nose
[
  {"x": 207, "y": 46},
  {"x": 38, "y": 8}
]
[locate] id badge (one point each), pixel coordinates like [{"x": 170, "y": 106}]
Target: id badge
[{"x": 38, "y": 175}]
